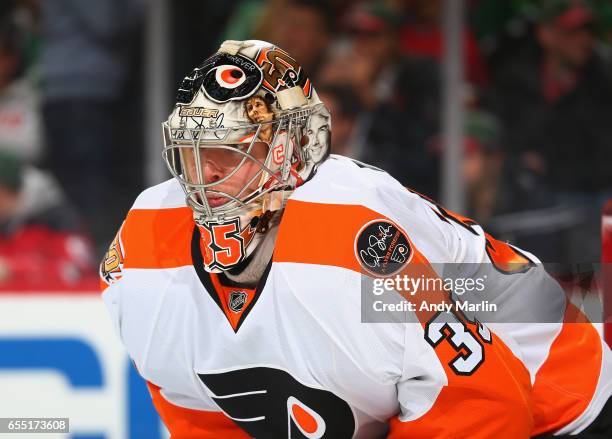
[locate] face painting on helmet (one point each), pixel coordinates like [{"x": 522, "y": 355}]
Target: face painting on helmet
[
  {"x": 318, "y": 136},
  {"x": 237, "y": 143}
]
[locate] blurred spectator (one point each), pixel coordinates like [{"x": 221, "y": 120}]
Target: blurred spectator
[
  {"x": 502, "y": 28},
  {"x": 509, "y": 200},
  {"x": 398, "y": 95},
  {"x": 26, "y": 16},
  {"x": 496, "y": 184},
  {"x": 422, "y": 35},
  {"x": 84, "y": 68},
  {"x": 371, "y": 60},
  {"x": 556, "y": 100},
  {"x": 19, "y": 101},
  {"x": 516, "y": 204},
  {"x": 304, "y": 31},
  {"x": 344, "y": 109},
  {"x": 198, "y": 28},
  {"x": 244, "y": 20},
  {"x": 41, "y": 244},
  {"x": 398, "y": 131}
]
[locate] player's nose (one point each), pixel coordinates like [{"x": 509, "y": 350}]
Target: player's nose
[{"x": 212, "y": 171}]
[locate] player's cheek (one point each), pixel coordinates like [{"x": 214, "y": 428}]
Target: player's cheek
[
  {"x": 188, "y": 163},
  {"x": 249, "y": 174}
]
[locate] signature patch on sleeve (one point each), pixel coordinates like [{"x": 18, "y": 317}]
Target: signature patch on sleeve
[{"x": 382, "y": 248}]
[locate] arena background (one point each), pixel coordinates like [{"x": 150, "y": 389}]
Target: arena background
[{"x": 501, "y": 110}]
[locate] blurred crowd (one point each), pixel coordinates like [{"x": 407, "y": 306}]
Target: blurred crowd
[
  {"x": 537, "y": 158},
  {"x": 70, "y": 135}
]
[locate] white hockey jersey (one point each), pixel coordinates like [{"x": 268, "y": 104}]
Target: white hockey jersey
[{"x": 297, "y": 357}]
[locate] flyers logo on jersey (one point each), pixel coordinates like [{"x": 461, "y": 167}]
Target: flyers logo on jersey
[
  {"x": 267, "y": 402},
  {"x": 382, "y": 248},
  {"x": 111, "y": 267}
]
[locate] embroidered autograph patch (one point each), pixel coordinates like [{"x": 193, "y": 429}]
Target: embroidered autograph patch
[{"x": 382, "y": 248}]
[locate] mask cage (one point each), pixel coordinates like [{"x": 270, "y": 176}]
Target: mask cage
[{"x": 239, "y": 140}]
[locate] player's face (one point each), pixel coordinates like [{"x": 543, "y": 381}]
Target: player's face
[{"x": 215, "y": 164}]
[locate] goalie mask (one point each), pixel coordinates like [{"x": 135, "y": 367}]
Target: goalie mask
[{"x": 247, "y": 129}]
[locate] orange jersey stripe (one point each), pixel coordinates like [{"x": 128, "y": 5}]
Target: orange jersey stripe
[
  {"x": 157, "y": 238},
  {"x": 103, "y": 285},
  {"x": 305, "y": 230},
  {"x": 185, "y": 423},
  {"x": 466, "y": 412},
  {"x": 566, "y": 382}
]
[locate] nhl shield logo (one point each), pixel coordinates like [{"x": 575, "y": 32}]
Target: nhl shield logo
[{"x": 237, "y": 299}]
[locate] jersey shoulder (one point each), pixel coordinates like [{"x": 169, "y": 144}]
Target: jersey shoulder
[
  {"x": 349, "y": 209},
  {"x": 340, "y": 180},
  {"x": 157, "y": 230},
  {"x": 165, "y": 195}
]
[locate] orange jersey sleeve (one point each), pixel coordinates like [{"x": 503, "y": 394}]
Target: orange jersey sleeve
[{"x": 185, "y": 423}]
